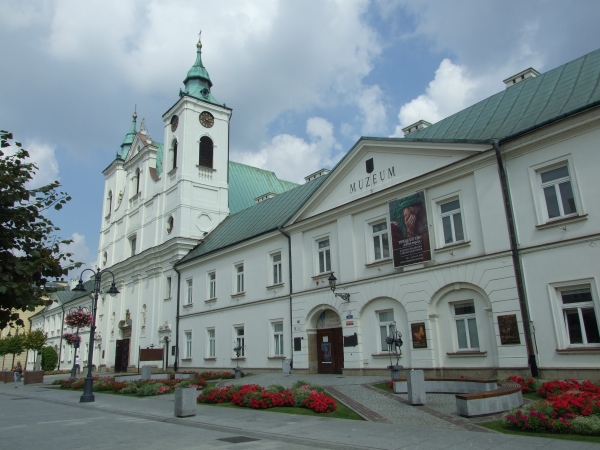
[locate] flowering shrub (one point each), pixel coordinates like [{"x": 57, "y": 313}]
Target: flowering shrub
[
  {"x": 71, "y": 338},
  {"x": 570, "y": 407},
  {"x": 254, "y": 396},
  {"x": 527, "y": 384},
  {"x": 139, "y": 387},
  {"x": 79, "y": 319},
  {"x": 389, "y": 384}
]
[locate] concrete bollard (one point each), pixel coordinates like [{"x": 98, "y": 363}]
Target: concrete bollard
[
  {"x": 146, "y": 372},
  {"x": 238, "y": 372},
  {"x": 185, "y": 402},
  {"x": 416, "y": 387}
]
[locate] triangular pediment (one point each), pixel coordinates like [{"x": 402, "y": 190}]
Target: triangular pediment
[
  {"x": 377, "y": 164},
  {"x": 140, "y": 143}
]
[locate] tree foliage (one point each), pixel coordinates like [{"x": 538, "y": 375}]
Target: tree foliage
[
  {"x": 49, "y": 358},
  {"x": 30, "y": 252},
  {"x": 14, "y": 345},
  {"x": 35, "y": 340}
]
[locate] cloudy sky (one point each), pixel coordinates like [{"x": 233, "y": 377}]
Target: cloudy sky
[{"x": 305, "y": 78}]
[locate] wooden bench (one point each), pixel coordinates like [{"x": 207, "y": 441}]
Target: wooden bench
[{"x": 488, "y": 402}]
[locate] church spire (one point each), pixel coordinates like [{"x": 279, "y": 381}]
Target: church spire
[
  {"x": 126, "y": 145},
  {"x": 197, "y": 82}
]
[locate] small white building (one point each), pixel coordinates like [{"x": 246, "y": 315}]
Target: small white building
[{"x": 475, "y": 238}]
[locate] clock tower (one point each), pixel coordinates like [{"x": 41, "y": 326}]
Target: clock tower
[{"x": 196, "y": 155}]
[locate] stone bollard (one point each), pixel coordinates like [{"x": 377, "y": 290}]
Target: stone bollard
[
  {"x": 146, "y": 372},
  {"x": 238, "y": 372},
  {"x": 185, "y": 402},
  {"x": 416, "y": 387}
]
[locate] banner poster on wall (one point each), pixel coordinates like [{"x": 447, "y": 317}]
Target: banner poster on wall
[{"x": 409, "y": 230}]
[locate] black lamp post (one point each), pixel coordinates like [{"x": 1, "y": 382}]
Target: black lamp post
[
  {"x": 167, "y": 352},
  {"x": 88, "y": 395},
  {"x": 332, "y": 280}
]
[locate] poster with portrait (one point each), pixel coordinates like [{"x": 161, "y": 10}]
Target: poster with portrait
[
  {"x": 409, "y": 230},
  {"x": 419, "y": 337},
  {"x": 509, "y": 330},
  {"x": 326, "y": 352}
]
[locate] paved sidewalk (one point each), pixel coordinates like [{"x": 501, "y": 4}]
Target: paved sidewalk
[{"x": 148, "y": 423}]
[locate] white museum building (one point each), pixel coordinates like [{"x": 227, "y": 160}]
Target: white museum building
[{"x": 477, "y": 238}]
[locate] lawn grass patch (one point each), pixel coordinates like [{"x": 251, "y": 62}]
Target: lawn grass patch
[
  {"x": 383, "y": 387},
  {"x": 496, "y": 425},
  {"x": 341, "y": 412}
]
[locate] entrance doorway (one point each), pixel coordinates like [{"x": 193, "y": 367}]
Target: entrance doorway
[
  {"x": 122, "y": 355},
  {"x": 330, "y": 350}
]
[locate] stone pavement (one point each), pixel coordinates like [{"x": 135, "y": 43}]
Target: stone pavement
[{"x": 42, "y": 416}]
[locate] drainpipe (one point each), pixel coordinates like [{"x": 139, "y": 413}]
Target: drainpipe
[
  {"x": 176, "y": 363},
  {"x": 291, "y": 291},
  {"x": 514, "y": 247},
  {"x": 62, "y": 327}
]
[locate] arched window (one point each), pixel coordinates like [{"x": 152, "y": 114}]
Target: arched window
[
  {"x": 206, "y": 152},
  {"x": 170, "y": 222},
  {"x": 174, "y": 154},
  {"x": 137, "y": 181},
  {"x": 109, "y": 203}
]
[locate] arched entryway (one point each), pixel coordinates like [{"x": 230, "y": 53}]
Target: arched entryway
[{"x": 328, "y": 347}]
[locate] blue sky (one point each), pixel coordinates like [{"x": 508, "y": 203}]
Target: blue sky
[{"x": 305, "y": 79}]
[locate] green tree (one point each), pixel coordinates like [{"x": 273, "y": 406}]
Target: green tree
[
  {"x": 35, "y": 340},
  {"x": 14, "y": 345},
  {"x": 30, "y": 253},
  {"x": 49, "y": 358}
]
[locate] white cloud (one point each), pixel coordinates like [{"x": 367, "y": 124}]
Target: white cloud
[
  {"x": 373, "y": 112},
  {"x": 44, "y": 158},
  {"x": 81, "y": 253},
  {"x": 292, "y": 158},
  {"x": 451, "y": 90}
]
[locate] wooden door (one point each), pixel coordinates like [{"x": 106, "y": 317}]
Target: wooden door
[
  {"x": 122, "y": 355},
  {"x": 330, "y": 350}
]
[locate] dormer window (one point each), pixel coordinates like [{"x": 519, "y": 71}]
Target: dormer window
[{"x": 206, "y": 152}]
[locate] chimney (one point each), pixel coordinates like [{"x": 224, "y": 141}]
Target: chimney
[
  {"x": 317, "y": 174},
  {"x": 521, "y": 76},
  {"x": 415, "y": 127}
]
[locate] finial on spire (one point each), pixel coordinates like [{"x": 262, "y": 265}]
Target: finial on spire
[
  {"x": 134, "y": 113},
  {"x": 199, "y": 44}
]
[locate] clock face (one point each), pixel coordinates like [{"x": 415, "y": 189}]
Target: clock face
[
  {"x": 174, "y": 122},
  {"x": 207, "y": 119}
]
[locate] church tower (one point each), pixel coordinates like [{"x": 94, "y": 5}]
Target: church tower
[{"x": 196, "y": 156}]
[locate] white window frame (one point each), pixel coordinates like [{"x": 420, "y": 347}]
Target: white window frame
[
  {"x": 211, "y": 342},
  {"x": 238, "y": 278},
  {"x": 277, "y": 338},
  {"x": 372, "y": 235},
  {"x": 188, "y": 344},
  {"x": 383, "y": 347},
  {"x": 535, "y": 177},
  {"x": 276, "y": 268},
  {"x": 555, "y": 293},
  {"x": 464, "y": 318},
  {"x": 211, "y": 284},
  {"x": 168, "y": 287},
  {"x": 451, "y": 215},
  {"x": 189, "y": 299},
  {"x": 326, "y": 251},
  {"x": 236, "y": 339}
]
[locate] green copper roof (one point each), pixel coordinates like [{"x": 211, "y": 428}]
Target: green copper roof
[
  {"x": 259, "y": 219},
  {"x": 526, "y": 105},
  {"x": 126, "y": 145},
  {"x": 247, "y": 182},
  {"x": 197, "y": 82}
]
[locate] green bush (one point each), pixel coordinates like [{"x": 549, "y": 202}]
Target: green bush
[
  {"x": 49, "y": 358},
  {"x": 149, "y": 389},
  {"x": 588, "y": 425},
  {"x": 130, "y": 389},
  {"x": 275, "y": 388}
]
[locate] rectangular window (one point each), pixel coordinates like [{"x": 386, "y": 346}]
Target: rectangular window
[
  {"x": 452, "y": 222},
  {"x": 190, "y": 292},
  {"x": 381, "y": 246},
  {"x": 240, "y": 341},
  {"x": 133, "y": 242},
  {"x": 188, "y": 344},
  {"x": 212, "y": 349},
  {"x": 239, "y": 278},
  {"x": 558, "y": 192},
  {"x": 386, "y": 325},
  {"x": 278, "y": 339},
  {"x": 466, "y": 326},
  {"x": 276, "y": 262},
  {"x": 168, "y": 288},
  {"x": 580, "y": 317},
  {"x": 212, "y": 285},
  {"x": 324, "y": 256}
]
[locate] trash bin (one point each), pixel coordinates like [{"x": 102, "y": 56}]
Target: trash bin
[{"x": 286, "y": 365}]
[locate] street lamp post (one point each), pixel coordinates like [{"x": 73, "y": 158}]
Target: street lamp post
[
  {"x": 88, "y": 395},
  {"x": 167, "y": 352}
]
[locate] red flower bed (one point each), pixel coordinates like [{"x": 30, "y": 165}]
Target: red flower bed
[
  {"x": 550, "y": 388},
  {"x": 527, "y": 384},
  {"x": 238, "y": 396},
  {"x": 320, "y": 403}
]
